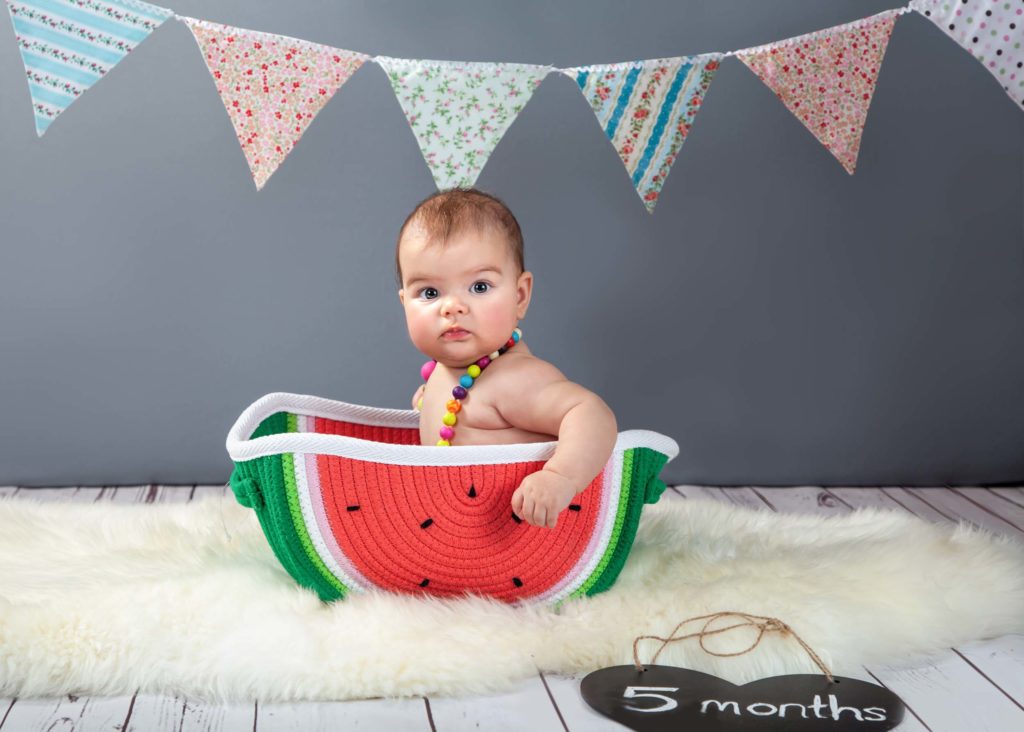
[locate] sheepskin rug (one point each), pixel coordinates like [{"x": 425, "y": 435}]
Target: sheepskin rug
[{"x": 106, "y": 599}]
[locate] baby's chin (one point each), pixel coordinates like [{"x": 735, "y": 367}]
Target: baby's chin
[{"x": 461, "y": 355}]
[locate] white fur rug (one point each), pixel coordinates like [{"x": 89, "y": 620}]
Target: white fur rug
[{"x": 106, "y": 599}]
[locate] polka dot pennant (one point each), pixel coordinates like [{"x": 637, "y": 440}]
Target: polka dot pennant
[
  {"x": 272, "y": 86},
  {"x": 827, "y": 79},
  {"x": 991, "y": 30}
]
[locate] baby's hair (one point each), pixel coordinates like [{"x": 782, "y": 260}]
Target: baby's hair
[{"x": 453, "y": 210}]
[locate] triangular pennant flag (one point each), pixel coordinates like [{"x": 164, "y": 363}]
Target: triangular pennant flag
[
  {"x": 272, "y": 86},
  {"x": 827, "y": 79},
  {"x": 459, "y": 111},
  {"x": 646, "y": 108},
  {"x": 993, "y": 32},
  {"x": 68, "y": 46}
]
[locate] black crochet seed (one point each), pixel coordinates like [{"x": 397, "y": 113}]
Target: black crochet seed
[
  {"x": 575, "y": 507},
  {"x": 424, "y": 583},
  {"x": 352, "y": 508},
  {"x": 516, "y": 518},
  {"x": 472, "y": 491},
  {"x": 426, "y": 523},
  {"x": 517, "y": 582}
]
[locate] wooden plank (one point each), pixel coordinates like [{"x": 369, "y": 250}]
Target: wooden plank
[
  {"x": 1009, "y": 512},
  {"x": 915, "y": 505},
  {"x": 155, "y": 713},
  {"x": 744, "y": 496},
  {"x": 62, "y": 493},
  {"x": 866, "y": 498},
  {"x": 81, "y": 714},
  {"x": 695, "y": 491},
  {"x": 733, "y": 495},
  {"x": 950, "y": 695},
  {"x": 1001, "y": 661},
  {"x": 369, "y": 714},
  {"x": 578, "y": 715},
  {"x": 959, "y": 508},
  {"x": 206, "y": 491},
  {"x": 1013, "y": 495},
  {"x": 527, "y": 707},
  {"x": 174, "y": 493},
  {"x": 802, "y": 499}
]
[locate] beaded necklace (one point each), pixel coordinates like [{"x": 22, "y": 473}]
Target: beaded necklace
[{"x": 461, "y": 390}]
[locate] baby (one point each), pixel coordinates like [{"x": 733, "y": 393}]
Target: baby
[{"x": 459, "y": 262}]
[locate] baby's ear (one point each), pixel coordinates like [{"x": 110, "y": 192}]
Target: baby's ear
[{"x": 524, "y": 291}]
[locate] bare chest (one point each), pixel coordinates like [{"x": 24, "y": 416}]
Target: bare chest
[{"x": 478, "y": 422}]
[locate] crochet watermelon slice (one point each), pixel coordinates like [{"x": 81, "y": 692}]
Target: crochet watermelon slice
[{"x": 349, "y": 501}]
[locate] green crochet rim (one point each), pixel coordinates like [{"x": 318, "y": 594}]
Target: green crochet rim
[{"x": 267, "y": 485}]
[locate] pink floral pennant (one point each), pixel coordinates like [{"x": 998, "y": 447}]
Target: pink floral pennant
[
  {"x": 272, "y": 86},
  {"x": 827, "y": 79}
]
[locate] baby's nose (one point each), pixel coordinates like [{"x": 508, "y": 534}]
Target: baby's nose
[{"x": 453, "y": 305}]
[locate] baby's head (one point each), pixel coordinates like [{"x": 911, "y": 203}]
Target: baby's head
[{"x": 459, "y": 261}]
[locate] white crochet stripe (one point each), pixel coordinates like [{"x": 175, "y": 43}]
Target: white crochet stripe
[
  {"x": 241, "y": 448},
  {"x": 348, "y": 575},
  {"x": 611, "y": 489}
]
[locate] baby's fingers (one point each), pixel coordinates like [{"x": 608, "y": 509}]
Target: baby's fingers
[{"x": 517, "y": 502}]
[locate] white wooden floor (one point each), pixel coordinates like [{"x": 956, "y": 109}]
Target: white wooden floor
[{"x": 974, "y": 688}]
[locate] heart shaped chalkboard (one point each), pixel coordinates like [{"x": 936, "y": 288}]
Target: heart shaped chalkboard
[{"x": 671, "y": 698}]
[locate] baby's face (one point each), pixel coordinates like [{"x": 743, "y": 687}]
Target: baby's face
[{"x": 462, "y": 299}]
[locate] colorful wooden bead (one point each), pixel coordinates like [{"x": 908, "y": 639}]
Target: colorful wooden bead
[{"x": 454, "y": 405}]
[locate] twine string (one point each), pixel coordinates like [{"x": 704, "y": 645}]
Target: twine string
[{"x": 763, "y": 624}]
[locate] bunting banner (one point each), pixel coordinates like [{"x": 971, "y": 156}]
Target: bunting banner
[
  {"x": 991, "y": 30},
  {"x": 647, "y": 108},
  {"x": 827, "y": 79},
  {"x": 69, "y": 45},
  {"x": 272, "y": 86},
  {"x": 459, "y": 111}
]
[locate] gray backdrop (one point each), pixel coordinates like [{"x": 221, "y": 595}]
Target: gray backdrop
[{"x": 784, "y": 322}]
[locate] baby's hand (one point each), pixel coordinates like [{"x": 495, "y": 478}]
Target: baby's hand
[
  {"x": 417, "y": 396},
  {"x": 542, "y": 496}
]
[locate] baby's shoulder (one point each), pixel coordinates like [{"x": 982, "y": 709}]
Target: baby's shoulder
[{"x": 524, "y": 371}]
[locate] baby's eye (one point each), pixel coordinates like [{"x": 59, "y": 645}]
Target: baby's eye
[
  {"x": 428, "y": 293},
  {"x": 480, "y": 287}
]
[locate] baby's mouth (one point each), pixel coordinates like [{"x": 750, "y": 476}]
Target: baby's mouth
[{"x": 455, "y": 334}]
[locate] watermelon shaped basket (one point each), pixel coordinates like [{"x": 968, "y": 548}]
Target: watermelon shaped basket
[{"x": 349, "y": 500}]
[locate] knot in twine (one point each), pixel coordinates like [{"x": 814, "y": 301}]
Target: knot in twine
[{"x": 762, "y": 623}]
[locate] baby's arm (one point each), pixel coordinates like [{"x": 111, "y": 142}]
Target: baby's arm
[
  {"x": 417, "y": 396},
  {"x": 538, "y": 398}
]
